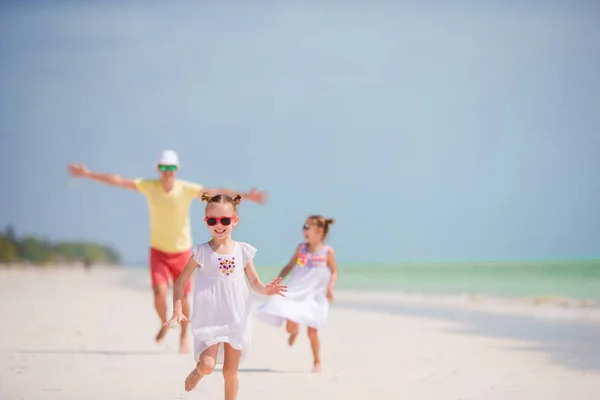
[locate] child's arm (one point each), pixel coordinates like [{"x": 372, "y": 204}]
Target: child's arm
[
  {"x": 332, "y": 264},
  {"x": 291, "y": 264},
  {"x": 256, "y": 284},
  {"x": 178, "y": 288}
]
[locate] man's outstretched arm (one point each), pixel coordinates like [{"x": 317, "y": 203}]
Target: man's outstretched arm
[{"x": 80, "y": 171}]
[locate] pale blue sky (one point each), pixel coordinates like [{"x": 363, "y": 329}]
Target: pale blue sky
[{"x": 431, "y": 130}]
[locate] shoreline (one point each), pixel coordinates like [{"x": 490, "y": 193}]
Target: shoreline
[
  {"x": 548, "y": 307},
  {"x": 139, "y": 279},
  {"x": 562, "y": 284}
]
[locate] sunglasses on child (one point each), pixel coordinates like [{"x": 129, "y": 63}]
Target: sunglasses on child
[
  {"x": 212, "y": 221},
  {"x": 164, "y": 168},
  {"x": 306, "y": 227}
]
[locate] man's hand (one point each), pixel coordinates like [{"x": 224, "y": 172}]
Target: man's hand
[
  {"x": 256, "y": 196},
  {"x": 79, "y": 170}
]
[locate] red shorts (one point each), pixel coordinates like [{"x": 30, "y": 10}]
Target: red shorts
[{"x": 168, "y": 265}]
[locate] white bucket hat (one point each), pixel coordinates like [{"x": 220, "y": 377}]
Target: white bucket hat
[{"x": 168, "y": 157}]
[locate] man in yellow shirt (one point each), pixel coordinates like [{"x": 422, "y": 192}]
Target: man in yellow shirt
[{"x": 169, "y": 201}]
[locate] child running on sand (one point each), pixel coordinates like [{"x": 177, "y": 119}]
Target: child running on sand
[
  {"x": 313, "y": 272},
  {"x": 221, "y": 299}
]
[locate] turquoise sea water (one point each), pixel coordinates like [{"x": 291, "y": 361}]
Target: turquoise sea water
[{"x": 572, "y": 279}]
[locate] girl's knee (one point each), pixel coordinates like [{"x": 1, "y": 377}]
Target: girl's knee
[
  {"x": 313, "y": 334},
  {"x": 230, "y": 372},
  {"x": 205, "y": 366}
]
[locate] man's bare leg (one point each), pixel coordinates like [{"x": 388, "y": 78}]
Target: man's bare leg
[
  {"x": 184, "y": 347},
  {"x": 160, "y": 304}
]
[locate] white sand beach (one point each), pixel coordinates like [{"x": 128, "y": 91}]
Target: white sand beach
[{"x": 74, "y": 334}]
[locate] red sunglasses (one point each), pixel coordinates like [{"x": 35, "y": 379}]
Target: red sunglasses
[{"x": 212, "y": 221}]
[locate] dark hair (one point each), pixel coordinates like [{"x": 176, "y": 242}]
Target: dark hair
[
  {"x": 222, "y": 198},
  {"x": 322, "y": 222}
]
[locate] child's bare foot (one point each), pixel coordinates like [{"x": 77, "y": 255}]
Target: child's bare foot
[
  {"x": 183, "y": 346},
  {"x": 316, "y": 367},
  {"x": 292, "y": 338},
  {"x": 161, "y": 334},
  {"x": 191, "y": 381}
]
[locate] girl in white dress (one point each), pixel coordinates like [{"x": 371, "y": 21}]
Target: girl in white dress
[
  {"x": 313, "y": 273},
  {"x": 220, "y": 316}
]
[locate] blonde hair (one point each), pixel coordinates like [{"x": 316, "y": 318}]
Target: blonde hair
[
  {"x": 222, "y": 198},
  {"x": 322, "y": 222}
]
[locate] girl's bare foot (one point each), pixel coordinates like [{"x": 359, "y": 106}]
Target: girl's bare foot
[
  {"x": 292, "y": 338},
  {"x": 316, "y": 367},
  {"x": 192, "y": 380},
  {"x": 161, "y": 334}
]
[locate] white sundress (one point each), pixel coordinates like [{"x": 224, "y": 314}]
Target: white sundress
[
  {"x": 305, "y": 301},
  {"x": 221, "y": 300}
]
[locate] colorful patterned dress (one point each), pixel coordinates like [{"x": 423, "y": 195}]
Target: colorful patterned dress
[{"x": 305, "y": 302}]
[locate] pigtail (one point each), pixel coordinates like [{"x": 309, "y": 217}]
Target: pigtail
[
  {"x": 206, "y": 197},
  {"x": 237, "y": 199},
  {"x": 322, "y": 222}
]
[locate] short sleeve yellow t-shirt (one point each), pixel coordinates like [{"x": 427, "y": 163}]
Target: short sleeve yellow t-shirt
[{"x": 170, "y": 229}]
